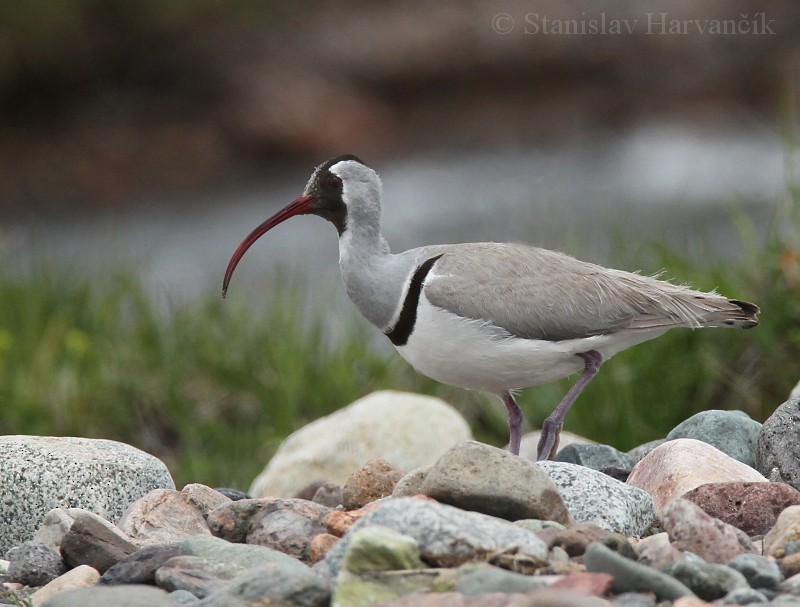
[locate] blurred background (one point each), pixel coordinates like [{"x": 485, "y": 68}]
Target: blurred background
[{"x": 141, "y": 141}]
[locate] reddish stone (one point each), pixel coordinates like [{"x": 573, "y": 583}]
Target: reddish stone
[
  {"x": 584, "y": 582},
  {"x": 690, "y": 528},
  {"x": 320, "y": 546},
  {"x": 752, "y": 507},
  {"x": 374, "y": 480}
]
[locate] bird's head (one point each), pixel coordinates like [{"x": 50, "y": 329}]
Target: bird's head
[{"x": 343, "y": 190}]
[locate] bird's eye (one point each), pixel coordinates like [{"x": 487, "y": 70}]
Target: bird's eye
[{"x": 334, "y": 181}]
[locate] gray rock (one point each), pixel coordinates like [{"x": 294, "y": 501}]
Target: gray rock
[
  {"x": 243, "y": 555},
  {"x": 328, "y": 494},
  {"x": 272, "y": 584},
  {"x": 361, "y": 590},
  {"x": 41, "y": 473},
  {"x": 778, "y": 450},
  {"x": 474, "y": 476},
  {"x": 743, "y": 596},
  {"x": 709, "y": 581},
  {"x": 140, "y": 567},
  {"x": 447, "y": 536},
  {"x": 732, "y": 432},
  {"x": 133, "y": 595},
  {"x": 759, "y": 571},
  {"x": 785, "y": 600},
  {"x": 596, "y": 457},
  {"x": 637, "y": 453},
  {"x": 411, "y": 483},
  {"x": 55, "y": 526},
  {"x": 630, "y": 576},
  {"x": 332, "y": 447},
  {"x": 183, "y": 597},
  {"x": 95, "y": 542},
  {"x": 232, "y": 494},
  {"x": 594, "y": 497},
  {"x": 378, "y": 548},
  {"x": 34, "y": 564},
  {"x": 200, "y": 575},
  {"x": 633, "y": 599},
  {"x": 165, "y": 516},
  {"x": 479, "y": 578}
]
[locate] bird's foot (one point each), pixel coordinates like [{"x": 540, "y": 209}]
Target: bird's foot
[{"x": 548, "y": 440}]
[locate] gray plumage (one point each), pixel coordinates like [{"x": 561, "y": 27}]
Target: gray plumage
[{"x": 539, "y": 294}]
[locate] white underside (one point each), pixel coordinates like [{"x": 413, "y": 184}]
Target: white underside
[{"x": 474, "y": 355}]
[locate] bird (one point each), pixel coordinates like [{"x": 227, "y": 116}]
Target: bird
[{"x": 488, "y": 316}]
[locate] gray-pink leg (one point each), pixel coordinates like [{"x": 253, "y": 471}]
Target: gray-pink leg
[
  {"x": 514, "y": 422},
  {"x": 551, "y": 428}
]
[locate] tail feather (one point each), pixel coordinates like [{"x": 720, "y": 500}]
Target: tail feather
[{"x": 744, "y": 315}]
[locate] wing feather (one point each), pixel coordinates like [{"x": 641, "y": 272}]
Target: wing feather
[{"x": 540, "y": 294}]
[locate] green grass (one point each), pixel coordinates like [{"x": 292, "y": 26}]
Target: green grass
[{"x": 212, "y": 387}]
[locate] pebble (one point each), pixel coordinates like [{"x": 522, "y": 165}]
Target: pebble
[
  {"x": 630, "y": 576},
  {"x": 479, "y": 477},
  {"x": 678, "y": 466},
  {"x": 752, "y": 507},
  {"x": 288, "y": 525},
  {"x": 743, "y": 596},
  {"x": 378, "y": 548},
  {"x": 242, "y": 555},
  {"x": 594, "y": 497},
  {"x": 374, "y": 480},
  {"x": 166, "y": 515},
  {"x": 709, "y": 581},
  {"x": 198, "y": 575},
  {"x": 34, "y": 564},
  {"x": 657, "y": 551},
  {"x": 690, "y": 528},
  {"x": 637, "y": 453},
  {"x": 120, "y": 596},
  {"x": 785, "y": 531},
  {"x": 43, "y": 472},
  {"x": 573, "y": 539},
  {"x": 446, "y": 535},
  {"x": 778, "y": 450},
  {"x": 330, "y": 448},
  {"x": 411, "y": 483},
  {"x": 761, "y": 573},
  {"x": 328, "y": 494},
  {"x": 272, "y": 584},
  {"x": 585, "y": 582},
  {"x": 95, "y": 542},
  {"x": 732, "y": 432},
  {"x": 603, "y": 458},
  {"x": 81, "y": 577},
  {"x": 140, "y": 567},
  {"x": 542, "y": 598},
  {"x": 480, "y": 578}
]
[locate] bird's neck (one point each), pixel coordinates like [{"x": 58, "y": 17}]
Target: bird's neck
[{"x": 371, "y": 274}]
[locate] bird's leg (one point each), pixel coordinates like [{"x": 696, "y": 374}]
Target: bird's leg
[
  {"x": 514, "y": 422},
  {"x": 551, "y": 428}
]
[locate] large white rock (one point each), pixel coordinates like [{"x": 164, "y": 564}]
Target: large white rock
[
  {"x": 407, "y": 430},
  {"x": 795, "y": 393},
  {"x": 39, "y": 473}
]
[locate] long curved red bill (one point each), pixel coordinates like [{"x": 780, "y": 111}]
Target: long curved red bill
[{"x": 298, "y": 206}]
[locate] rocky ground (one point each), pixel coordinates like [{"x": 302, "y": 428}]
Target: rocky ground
[{"x": 708, "y": 515}]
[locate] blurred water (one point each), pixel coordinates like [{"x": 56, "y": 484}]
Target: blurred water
[{"x": 663, "y": 184}]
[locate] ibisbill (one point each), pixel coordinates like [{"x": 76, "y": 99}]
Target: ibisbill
[{"x": 489, "y": 316}]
